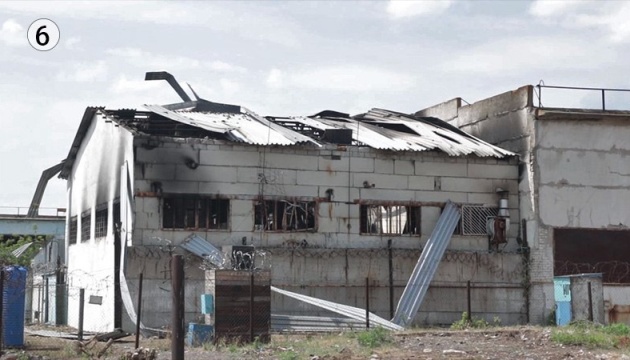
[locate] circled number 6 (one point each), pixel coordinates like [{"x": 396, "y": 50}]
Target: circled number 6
[{"x": 39, "y": 34}]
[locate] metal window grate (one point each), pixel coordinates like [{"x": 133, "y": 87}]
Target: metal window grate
[
  {"x": 474, "y": 218},
  {"x": 100, "y": 228}
]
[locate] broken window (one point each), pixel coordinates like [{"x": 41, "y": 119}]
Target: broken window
[
  {"x": 72, "y": 231},
  {"x": 86, "y": 225},
  {"x": 195, "y": 212},
  {"x": 390, "y": 219},
  {"x": 100, "y": 224},
  {"x": 284, "y": 215}
]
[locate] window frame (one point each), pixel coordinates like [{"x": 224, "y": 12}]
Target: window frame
[
  {"x": 415, "y": 218},
  {"x": 279, "y": 209},
  {"x": 178, "y": 208}
]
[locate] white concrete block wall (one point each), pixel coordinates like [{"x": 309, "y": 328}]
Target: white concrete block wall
[{"x": 236, "y": 171}]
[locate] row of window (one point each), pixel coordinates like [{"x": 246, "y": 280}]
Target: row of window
[
  {"x": 196, "y": 212},
  {"x": 100, "y": 224}
]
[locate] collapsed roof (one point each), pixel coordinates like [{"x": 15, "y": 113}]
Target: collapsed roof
[{"x": 377, "y": 128}]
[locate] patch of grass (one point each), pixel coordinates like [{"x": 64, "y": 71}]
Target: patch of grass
[
  {"x": 374, "y": 338},
  {"x": 584, "y": 333},
  {"x": 288, "y": 355},
  {"x": 474, "y": 323}
]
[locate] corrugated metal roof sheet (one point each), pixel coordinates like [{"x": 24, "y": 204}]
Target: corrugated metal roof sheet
[
  {"x": 202, "y": 248},
  {"x": 440, "y": 134},
  {"x": 345, "y": 310},
  {"x": 422, "y": 274},
  {"x": 243, "y": 127}
]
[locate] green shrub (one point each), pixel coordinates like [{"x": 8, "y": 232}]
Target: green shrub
[
  {"x": 374, "y": 337},
  {"x": 473, "y": 323}
]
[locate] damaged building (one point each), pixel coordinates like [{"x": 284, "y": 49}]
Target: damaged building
[
  {"x": 330, "y": 199},
  {"x": 573, "y": 188}
]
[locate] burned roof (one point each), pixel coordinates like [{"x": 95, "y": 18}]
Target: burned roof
[{"x": 377, "y": 128}]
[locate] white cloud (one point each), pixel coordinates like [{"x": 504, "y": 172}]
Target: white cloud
[
  {"x": 123, "y": 85},
  {"x": 150, "y": 61},
  {"x": 229, "y": 87},
  {"x": 255, "y": 25},
  {"x": 524, "y": 54},
  {"x": 72, "y": 42},
  {"x": 613, "y": 19},
  {"x": 546, "y": 8},
  {"x": 84, "y": 72},
  {"x": 12, "y": 33},
  {"x": 274, "y": 79},
  {"x": 354, "y": 78},
  {"x": 408, "y": 8}
]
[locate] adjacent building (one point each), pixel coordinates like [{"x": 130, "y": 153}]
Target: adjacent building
[{"x": 573, "y": 188}]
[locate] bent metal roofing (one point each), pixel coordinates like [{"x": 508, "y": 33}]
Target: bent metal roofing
[{"x": 378, "y": 129}]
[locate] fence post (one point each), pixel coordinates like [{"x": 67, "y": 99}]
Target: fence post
[
  {"x": 81, "y": 308},
  {"x": 391, "y": 279},
  {"x": 469, "y": 306},
  {"x": 251, "y": 307},
  {"x": 177, "y": 313},
  {"x": 367, "y": 302},
  {"x": 139, "y": 311},
  {"x": 590, "y": 302}
]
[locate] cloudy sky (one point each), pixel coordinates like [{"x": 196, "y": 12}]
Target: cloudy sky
[{"x": 286, "y": 58}]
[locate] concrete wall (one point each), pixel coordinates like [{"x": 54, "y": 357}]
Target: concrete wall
[
  {"x": 573, "y": 173},
  {"x": 94, "y": 181},
  {"x": 235, "y": 172},
  {"x": 507, "y": 120},
  {"x": 339, "y": 275}
]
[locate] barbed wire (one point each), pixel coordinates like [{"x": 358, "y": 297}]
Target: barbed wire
[{"x": 617, "y": 272}]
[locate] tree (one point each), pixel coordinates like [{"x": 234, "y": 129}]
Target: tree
[{"x": 9, "y": 243}]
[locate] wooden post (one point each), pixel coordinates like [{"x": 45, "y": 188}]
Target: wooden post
[
  {"x": 81, "y": 308},
  {"x": 469, "y": 306},
  {"x": 139, "y": 312},
  {"x": 177, "y": 312},
  {"x": 251, "y": 307},
  {"x": 367, "y": 302}
]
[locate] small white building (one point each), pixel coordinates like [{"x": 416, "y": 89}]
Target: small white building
[
  {"x": 573, "y": 188},
  {"x": 332, "y": 199}
]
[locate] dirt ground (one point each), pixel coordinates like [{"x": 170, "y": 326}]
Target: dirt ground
[{"x": 496, "y": 343}]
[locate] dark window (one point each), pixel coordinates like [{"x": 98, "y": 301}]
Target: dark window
[
  {"x": 86, "y": 225},
  {"x": 100, "y": 226},
  {"x": 284, "y": 215},
  {"x": 390, "y": 219},
  {"x": 195, "y": 212},
  {"x": 72, "y": 236},
  {"x": 578, "y": 251}
]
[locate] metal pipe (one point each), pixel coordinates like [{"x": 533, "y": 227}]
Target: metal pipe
[
  {"x": 139, "y": 312},
  {"x": 391, "y": 278},
  {"x": 177, "y": 303},
  {"x": 81, "y": 309},
  {"x": 603, "y": 99},
  {"x": 581, "y": 88},
  {"x": 590, "y": 303}
]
